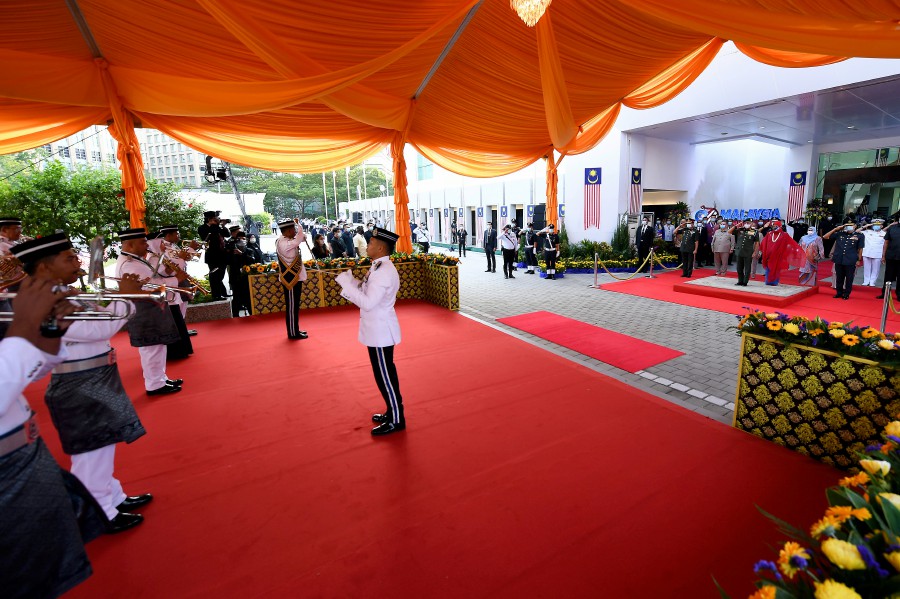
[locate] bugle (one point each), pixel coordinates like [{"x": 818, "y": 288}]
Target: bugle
[
  {"x": 88, "y": 299},
  {"x": 179, "y": 271},
  {"x": 165, "y": 289}
]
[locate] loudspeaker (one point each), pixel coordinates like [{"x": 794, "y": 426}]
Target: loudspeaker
[{"x": 540, "y": 217}]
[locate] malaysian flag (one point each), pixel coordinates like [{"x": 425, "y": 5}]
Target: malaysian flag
[
  {"x": 796, "y": 196},
  {"x": 634, "y": 204},
  {"x": 592, "y": 198},
  {"x": 881, "y": 157},
  {"x": 446, "y": 232},
  {"x": 479, "y": 223}
]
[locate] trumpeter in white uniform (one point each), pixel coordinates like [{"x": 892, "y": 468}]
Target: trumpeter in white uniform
[
  {"x": 292, "y": 273},
  {"x": 379, "y": 329},
  {"x": 46, "y": 514},
  {"x": 86, "y": 399},
  {"x": 151, "y": 329}
]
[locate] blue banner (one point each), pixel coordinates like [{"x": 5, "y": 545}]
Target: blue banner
[
  {"x": 480, "y": 212},
  {"x": 562, "y": 210},
  {"x": 530, "y": 210},
  {"x": 592, "y": 176}
]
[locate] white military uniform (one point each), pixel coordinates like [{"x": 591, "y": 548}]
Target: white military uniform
[
  {"x": 872, "y": 256},
  {"x": 153, "y": 357},
  {"x": 379, "y": 329},
  {"x": 292, "y": 273}
]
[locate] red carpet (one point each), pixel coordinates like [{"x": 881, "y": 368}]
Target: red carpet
[
  {"x": 622, "y": 351},
  {"x": 862, "y": 307},
  {"x": 521, "y": 475}
]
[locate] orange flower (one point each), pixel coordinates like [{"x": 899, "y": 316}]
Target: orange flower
[
  {"x": 841, "y": 513},
  {"x": 849, "y": 339},
  {"x": 792, "y": 558},
  {"x": 816, "y": 332},
  {"x": 828, "y": 524},
  {"x": 836, "y": 325},
  {"x": 855, "y": 481},
  {"x": 773, "y": 325},
  {"x": 765, "y": 592},
  {"x": 870, "y": 332}
]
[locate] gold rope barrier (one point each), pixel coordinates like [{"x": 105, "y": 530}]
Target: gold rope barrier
[
  {"x": 664, "y": 267},
  {"x": 634, "y": 274},
  {"x": 891, "y": 304}
]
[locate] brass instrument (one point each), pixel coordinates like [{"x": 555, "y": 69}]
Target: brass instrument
[
  {"x": 192, "y": 253},
  {"x": 11, "y": 271},
  {"x": 179, "y": 271},
  {"x": 165, "y": 289},
  {"x": 87, "y": 299}
]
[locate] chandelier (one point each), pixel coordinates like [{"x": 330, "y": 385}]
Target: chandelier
[{"x": 530, "y": 11}]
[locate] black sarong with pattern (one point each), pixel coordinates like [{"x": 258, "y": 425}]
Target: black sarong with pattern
[
  {"x": 151, "y": 325},
  {"x": 46, "y": 517},
  {"x": 90, "y": 409}
]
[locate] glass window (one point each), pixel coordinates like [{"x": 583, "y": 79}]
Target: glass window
[
  {"x": 168, "y": 170},
  {"x": 63, "y": 151},
  {"x": 425, "y": 168}
]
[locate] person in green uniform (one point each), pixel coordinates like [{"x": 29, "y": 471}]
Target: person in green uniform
[
  {"x": 690, "y": 240},
  {"x": 746, "y": 246}
]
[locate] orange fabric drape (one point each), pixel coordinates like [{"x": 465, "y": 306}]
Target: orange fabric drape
[
  {"x": 401, "y": 195},
  {"x": 35, "y": 125},
  {"x": 552, "y": 189},
  {"x": 779, "y": 58},
  {"x": 560, "y": 122},
  {"x": 675, "y": 79},
  {"x": 129, "y": 150}
]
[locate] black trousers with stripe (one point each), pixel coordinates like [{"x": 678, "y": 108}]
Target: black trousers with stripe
[
  {"x": 292, "y": 309},
  {"x": 382, "y": 359}
]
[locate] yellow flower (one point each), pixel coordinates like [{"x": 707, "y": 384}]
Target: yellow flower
[
  {"x": 837, "y": 333},
  {"x": 830, "y": 589},
  {"x": 764, "y": 592},
  {"x": 827, "y": 525},
  {"x": 772, "y": 315},
  {"x": 885, "y": 344},
  {"x": 849, "y": 339},
  {"x": 815, "y": 332},
  {"x": 788, "y": 560},
  {"x": 893, "y": 428},
  {"x": 861, "y": 513},
  {"x": 836, "y": 325},
  {"x": 876, "y": 466},
  {"x": 774, "y": 325},
  {"x": 842, "y": 554},
  {"x": 246, "y": 269},
  {"x": 893, "y": 558},
  {"x": 841, "y": 513},
  {"x": 855, "y": 481},
  {"x": 890, "y": 497},
  {"x": 791, "y": 328},
  {"x": 870, "y": 332}
]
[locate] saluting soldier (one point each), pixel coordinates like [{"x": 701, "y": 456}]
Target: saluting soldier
[
  {"x": 550, "y": 243},
  {"x": 151, "y": 329},
  {"x": 379, "y": 329},
  {"x": 690, "y": 241},
  {"x": 532, "y": 243},
  {"x": 848, "y": 248},
  {"x": 213, "y": 234},
  {"x": 292, "y": 273},
  {"x": 745, "y": 247},
  {"x": 86, "y": 399}
]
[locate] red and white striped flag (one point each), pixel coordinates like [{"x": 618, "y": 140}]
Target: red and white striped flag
[
  {"x": 796, "y": 196},
  {"x": 634, "y": 204},
  {"x": 592, "y": 198}
]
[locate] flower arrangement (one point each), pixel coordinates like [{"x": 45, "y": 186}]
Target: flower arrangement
[
  {"x": 396, "y": 258},
  {"x": 260, "y": 268},
  {"x": 839, "y": 337},
  {"x": 816, "y": 210},
  {"x": 441, "y": 259},
  {"x": 853, "y": 551}
]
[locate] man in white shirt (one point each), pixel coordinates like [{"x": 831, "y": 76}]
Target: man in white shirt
[
  {"x": 423, "y": 237},
  {"x": 379, "y": 329},
  {"x": 509, "y": 244},
  {"x": 872, "y": 251},
  {"x": 292, "y": 273},
  {"x": 86, "y": 399},
  {"x": 46, "y": 514}
]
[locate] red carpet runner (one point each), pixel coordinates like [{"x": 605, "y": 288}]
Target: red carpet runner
[
  {"x": 622, "y": 351},
  {"x": 521, "y": 475}
]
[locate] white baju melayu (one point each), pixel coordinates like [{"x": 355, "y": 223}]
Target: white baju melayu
[{"x": 872, "y": 256}]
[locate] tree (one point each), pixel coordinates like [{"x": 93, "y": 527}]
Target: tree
[{"x": 88, "y": 202}]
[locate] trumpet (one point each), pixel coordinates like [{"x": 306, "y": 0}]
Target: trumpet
[
  {"x": 88, "y": 299},
  {"x": 178, "y": 271},
  {"x": 153, "y": 287}
]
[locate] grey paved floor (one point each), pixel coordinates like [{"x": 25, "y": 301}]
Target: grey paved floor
[{"x": 703, "y": 380}]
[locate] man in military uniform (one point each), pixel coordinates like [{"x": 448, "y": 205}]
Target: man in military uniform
[
  {"x": 550, "y": 243},
  {"x": 532, "y": 243},
  {"x": 292, "y": 273},
  {"x": 150, "y": 329},
  {"x": 746, "y": 245},
  {"x": 848, "y": 248},
  {"x": 690, "y": 241},
  {"x": 213, "y": 234},
  {"x": 379, "y": 329}
]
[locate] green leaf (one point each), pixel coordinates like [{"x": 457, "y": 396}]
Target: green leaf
[
  {"x": 892, "y": 515},
  {"x": 837, "y": 496},
  {"x": 785, "y": 527},
  {"x": 722, "y": 592},
  {"x": 856, "y": 499}
]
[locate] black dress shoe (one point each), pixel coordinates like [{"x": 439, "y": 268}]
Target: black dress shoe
[
  {"x": 123, "y": 522},
  {"x": 879, "y": 296},
  {"x": 837, "y": 295},
  {"x": 388, "y": 428},
  {"x": 511, "y": 277},
  {"x": 164, "y": 390},
  {"x": 192, "y": 332},
  {"x": 488, "y": 270},
  {"x": 380, "y": 418},
  {"x": 300, "y": 335},
  {"x": 134, "y": 502},
  {"x": 845, "y": 297},
  {"x": 175, "y": 382}
]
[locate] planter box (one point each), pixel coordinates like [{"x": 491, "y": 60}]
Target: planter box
[
  {"x": 418, "y": 280},
  {"x": 814, "y": 401},
  {"x": 208, "y": 311}
]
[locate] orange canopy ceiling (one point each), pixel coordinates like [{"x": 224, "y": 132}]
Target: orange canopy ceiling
[{"x": 312, "y": 86}]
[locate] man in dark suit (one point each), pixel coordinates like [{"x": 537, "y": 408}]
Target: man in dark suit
[
  {"x": 213, "y": 233},
  {"x": 643, "y": 240},
  {"x": 489, "y": 243}
]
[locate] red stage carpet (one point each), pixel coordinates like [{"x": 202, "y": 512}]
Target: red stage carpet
[
  {"x": 622, "y": 351},
  {"x": 862, "y": 307},
  {"x": 521, "y": 475}
]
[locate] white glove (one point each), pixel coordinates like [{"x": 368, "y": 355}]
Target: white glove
[{"x": 345, "y": 279}]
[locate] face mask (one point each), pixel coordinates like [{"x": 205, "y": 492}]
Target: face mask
[
  {"x": 690, "y": 225},
  {"x": 760, "y": 223},
  {"x": 722, "y": 227},
  {"x": 241, "y": 244},
  {"x": 810, "y": 231},
  {"x": 746, "y": 225},
  {"x": 645, "y": 221},
  {"x": 849, "y": 229},
  {"x": 876, "y": 227}
]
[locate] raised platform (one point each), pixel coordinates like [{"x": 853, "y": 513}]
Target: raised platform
[{"x": 778, "y": 296}]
